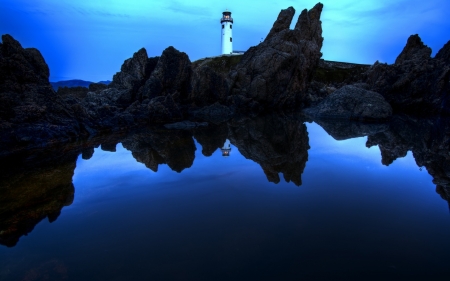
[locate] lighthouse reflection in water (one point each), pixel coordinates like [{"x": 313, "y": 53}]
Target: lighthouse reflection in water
[{"x": 226, "y": 149}]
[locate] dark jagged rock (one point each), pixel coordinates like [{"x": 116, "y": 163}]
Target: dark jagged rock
[
  {"x": 282, "y": 23},
  {"x": 77, "y": 92},
  {"x": 171, "y": 76},
  {"x": 208, "y": 86},
  {"x": 164, "y": 109},
  {"x": 278, "y": 144},
  {"x": 132, "y": 72},
  {"x": 444, "y": 54},
  {"x": 414, "y": 50},
  {"x": 416, "y": 84},
  {"x": 353, "y": 103},
  {"x": 332, "y": 75},
  {"x": 275, "y": 74},
  {"x": 31, "y": 113},
  {"x": 215, "y": 113}
]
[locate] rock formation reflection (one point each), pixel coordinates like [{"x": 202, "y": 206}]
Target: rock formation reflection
[
  {"x": 427, "y": 139},
  {"x": 32, "y": 191},
  {"x": 155, "y": 147},
  {"x": 279, "y": 145},
  {"x": 37, "y": 185}
]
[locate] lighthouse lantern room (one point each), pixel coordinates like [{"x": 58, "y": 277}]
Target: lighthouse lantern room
[{"x": 227, "y": 36}]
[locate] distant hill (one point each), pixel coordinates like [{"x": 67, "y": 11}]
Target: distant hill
[{"x": 74, "y": 83}]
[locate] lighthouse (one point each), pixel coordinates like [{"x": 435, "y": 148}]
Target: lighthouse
[{"x": 227, "y": 35}]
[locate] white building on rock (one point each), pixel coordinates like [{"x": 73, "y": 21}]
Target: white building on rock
[{"x": 227, "y": 35}]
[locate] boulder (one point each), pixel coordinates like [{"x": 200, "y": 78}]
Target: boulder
[
  {"x": 276, "y": 73},
  {"x": 353, "y": 103}
]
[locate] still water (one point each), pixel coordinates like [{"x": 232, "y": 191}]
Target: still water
[{"x": 293, "y": 200}]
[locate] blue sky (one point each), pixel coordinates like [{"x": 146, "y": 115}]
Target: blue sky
[{"x": 89, "y": 40}]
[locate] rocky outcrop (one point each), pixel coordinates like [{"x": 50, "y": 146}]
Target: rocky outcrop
[
  {"x": 134, "y": 72},
  {"x": 171, "y": 76},
  {"x": 276, "y": 73},
  {"x": 414, "y": 50},
  {"x": 352, "y": 103},
  {"x": 416, "y": 84},
  {"x": 31, "y": 113}
]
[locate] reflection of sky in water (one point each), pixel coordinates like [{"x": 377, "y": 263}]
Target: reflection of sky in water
[{"x": 351, "y": 215}]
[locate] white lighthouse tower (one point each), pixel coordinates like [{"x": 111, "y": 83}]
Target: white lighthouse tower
[{"x": 227, "y": 35}]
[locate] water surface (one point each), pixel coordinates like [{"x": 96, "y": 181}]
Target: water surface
[{"x": 293, "y": 200}]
